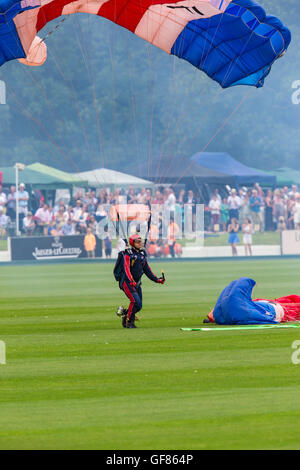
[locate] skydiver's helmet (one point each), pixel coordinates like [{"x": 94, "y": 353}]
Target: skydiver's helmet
[{"x": 132, "y": 239}]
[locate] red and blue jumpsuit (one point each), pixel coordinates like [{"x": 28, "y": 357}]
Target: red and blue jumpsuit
[{"x": 133, "y": 265}]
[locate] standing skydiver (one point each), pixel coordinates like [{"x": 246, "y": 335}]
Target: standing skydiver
[{"x": 131, "y": 264}]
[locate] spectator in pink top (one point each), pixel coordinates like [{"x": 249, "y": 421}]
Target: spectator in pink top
[{"x": 43, "y": 219}]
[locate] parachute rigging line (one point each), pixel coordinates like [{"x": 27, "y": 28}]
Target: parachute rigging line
[{"x": 218, "y": 131}]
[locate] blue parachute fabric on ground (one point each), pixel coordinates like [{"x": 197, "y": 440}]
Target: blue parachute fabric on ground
[
  {"x": 237, "y": 47},
  {"x": 236, "y": 307}
]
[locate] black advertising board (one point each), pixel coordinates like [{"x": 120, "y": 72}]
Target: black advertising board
[{"x": 50, "y": 248}]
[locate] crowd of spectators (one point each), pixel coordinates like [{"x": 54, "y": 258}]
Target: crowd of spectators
[
  {"x": 83, "y": 214},
  {"x": 265, "y": 210}
]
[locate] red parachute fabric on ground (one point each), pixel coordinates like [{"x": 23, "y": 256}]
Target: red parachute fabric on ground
[{"x": 290, "y": 305}]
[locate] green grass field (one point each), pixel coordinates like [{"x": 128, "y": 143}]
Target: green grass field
[{"x": 74, "y": 379}]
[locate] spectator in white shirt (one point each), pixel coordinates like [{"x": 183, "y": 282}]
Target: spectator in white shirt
[
  {"x": 77, "y": 210},
  {"x": 141, "y": 197},
  {"x": 28, "y": 224},
  {"x": 294, "y": 191},
  {"x": 43, "y": 218},
  {"x": 234, "y": 203},
  {"x": 170, "y": 201},
  {"x": 215, "y": 210},
  {"x": 81, "y": 220},
  {"x": 22, "y": 198},
  {"x": 216, "y": 193},
  {"x": 3, "y": 198}
]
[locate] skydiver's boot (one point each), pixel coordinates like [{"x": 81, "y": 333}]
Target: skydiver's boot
[
  {"x": 124, "y": 318},
  {"x": 130, "y": 323},
  {"x": 120, "y": 311}
]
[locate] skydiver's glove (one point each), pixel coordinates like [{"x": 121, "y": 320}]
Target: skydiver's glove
[{"x": 161, "y": 280}]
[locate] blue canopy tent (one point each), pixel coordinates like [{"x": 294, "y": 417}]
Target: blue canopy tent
[{"x": 237, "y": 173}]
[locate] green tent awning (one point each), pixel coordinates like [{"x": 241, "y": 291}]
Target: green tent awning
[
  {"x": 68, "y": 178},
  {"x": 33, "y": 178},
  {"x": 286, "y": 176}
]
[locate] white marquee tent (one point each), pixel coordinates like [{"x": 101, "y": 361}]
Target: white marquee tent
[{"x": 103, "y": 177}]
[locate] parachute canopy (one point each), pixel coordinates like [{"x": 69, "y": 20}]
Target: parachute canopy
[
  {"x": 126, "y": 212},
  {"x": 233, "y": 42}
]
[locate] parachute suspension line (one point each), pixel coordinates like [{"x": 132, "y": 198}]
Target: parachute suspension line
[
  {"x": 54, "y": 29},
  {"x": 110, "y": 49},
  {"x": 212, "y": 41},
  {"x": 172, "y": 101},
  {"x": 100, "y": 137},
  {"x": 169, "y": 156},
  {"x": 227, "y": 74},
  {"x": 68, "y": 87},
  {"x": 225, "y": 122},
  {"x": 84, "y": 59},
  {"x": 71, "y": 89},
  {"x": 89, "y": 68},
  {"x": 133, "y": 107},
  {"x": 174, "y": 161},
  {"x": 153, "y": 12},
  {"x": 149, "y": 151},
  {"x": 75, "y": 101},
  {"x": 227, "y": 70},
  {"x": 57, "y": 118},
  {"x": 151, "y": 109},
  {"x": 48, "y": 102},
  {"x": 38, "y": 124},
  {"x": 183, "y": 114},
  {"x": 72, "y": 92}
]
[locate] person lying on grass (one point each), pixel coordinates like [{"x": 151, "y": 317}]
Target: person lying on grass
[{"x": 236, "y": 307}]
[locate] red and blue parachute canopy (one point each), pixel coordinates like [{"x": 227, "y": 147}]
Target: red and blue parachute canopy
[{"x": 233, "y": 42}]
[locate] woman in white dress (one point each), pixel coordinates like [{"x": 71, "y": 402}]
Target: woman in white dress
[{"x": 247, "y": 230}]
